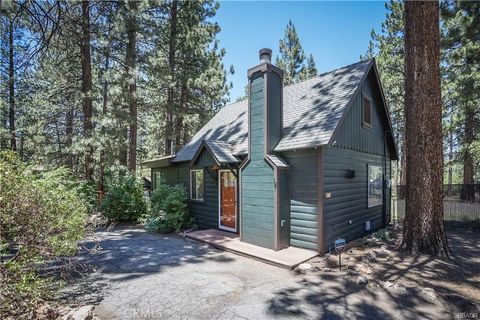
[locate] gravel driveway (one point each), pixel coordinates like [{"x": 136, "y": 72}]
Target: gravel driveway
[{"x": 141, "y": 275}]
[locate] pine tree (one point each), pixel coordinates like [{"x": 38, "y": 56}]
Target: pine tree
[
  {"x": 462, "y": 53},
  {"x": 423, "y": 227},
  {"x": 292, "y": 58},
  {"x": 311, "y": 67}
]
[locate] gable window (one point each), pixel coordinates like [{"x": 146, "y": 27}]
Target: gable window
[
  {"x": 367, "y": 112},
  {"x": 375, "y": 185},
  {"x": 196, "y": 185}
]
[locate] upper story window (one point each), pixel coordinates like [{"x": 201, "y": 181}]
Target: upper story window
[
  {"x": 367, "y": 112},
  {"x": 196, "y": 185}
]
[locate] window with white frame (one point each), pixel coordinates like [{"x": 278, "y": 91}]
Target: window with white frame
[
  {"x": 196, "y": 185},
  {"x": 375, "y": 185}
]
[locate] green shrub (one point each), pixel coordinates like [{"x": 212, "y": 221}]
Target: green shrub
[
  {"x": 168, "y": 211},
  {"x": 124, "y": 200},
  {"x": 41, "y": 217}
]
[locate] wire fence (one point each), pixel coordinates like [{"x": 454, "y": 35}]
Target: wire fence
[{"x": 461, "y": 205}]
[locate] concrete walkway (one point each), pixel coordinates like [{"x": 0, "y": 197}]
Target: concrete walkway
[
  {"x": 287, "y": 258},
  {"x": 141, "y": 275}
]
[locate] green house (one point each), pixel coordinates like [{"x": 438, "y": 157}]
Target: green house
[{"x": 300, "y": 165}]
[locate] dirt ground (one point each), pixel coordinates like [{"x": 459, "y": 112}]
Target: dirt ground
[{"x": 376, "y": 260}]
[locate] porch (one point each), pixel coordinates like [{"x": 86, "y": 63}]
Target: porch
[{"x": 288, "y": 258}]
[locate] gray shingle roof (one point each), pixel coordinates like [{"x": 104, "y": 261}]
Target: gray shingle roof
[
  {"x": 312, "y": 110},
  {"x": 222, "y": 151},
  {"x": 277, "y": 161}
]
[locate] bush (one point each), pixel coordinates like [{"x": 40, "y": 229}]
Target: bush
[
  {"x": 124, "y": 200},
  {"x": 168, "y": 211},
  {"x": 41, "y": 217}
]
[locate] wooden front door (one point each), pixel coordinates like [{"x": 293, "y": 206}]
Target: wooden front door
[{"x": 227, "y": 201}]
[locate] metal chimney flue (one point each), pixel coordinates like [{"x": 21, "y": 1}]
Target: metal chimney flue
[{"x": 265, "y": 55}]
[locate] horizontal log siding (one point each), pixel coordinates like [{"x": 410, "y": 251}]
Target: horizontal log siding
[
  {"x": 355, "y": 147},
  {"x": 284, "y": 206},
  {"x": 205, "y": 212},
  {"x": 349, "y": 196},
  {"x": 303, "y": 198},
  {"x": 257, "y": 193}
]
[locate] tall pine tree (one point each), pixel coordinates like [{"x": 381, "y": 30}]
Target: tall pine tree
[{"x": 291, "y": 58}]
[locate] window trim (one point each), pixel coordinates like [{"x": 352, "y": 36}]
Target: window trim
[
  {"x": 191, "y": 186},
  {"x": 365, "y": 124},
  {"x": 368, "y": 186}
]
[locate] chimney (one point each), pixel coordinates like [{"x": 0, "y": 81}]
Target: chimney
[
  {"x": 265, "y": 55},
  {"x": 265, "y": 83}
]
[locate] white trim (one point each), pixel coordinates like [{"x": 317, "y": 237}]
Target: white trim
[
  {"x": 220, "y": 202},
  {"x": 191, "y": 185}
]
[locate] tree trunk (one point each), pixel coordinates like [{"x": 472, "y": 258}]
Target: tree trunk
[
  {"x": 131, "y": 59},
  {"x": 11, "y": 85},
  {"x": 171, "y": 67},
  {"x": 87, "y": 88},
  {"x": 450, "y": 158},
  {"x": 423, "y": 229},
  {"x": 123, "y": 149},
  {"x": 69, "y": 137},
  {"x": 468, "y": 190},
  {"x": 101, "y": 171},
  {"x": 179, "y": 121}
]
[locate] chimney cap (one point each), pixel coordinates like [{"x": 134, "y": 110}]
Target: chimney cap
[{"x": 265, "y": 55}]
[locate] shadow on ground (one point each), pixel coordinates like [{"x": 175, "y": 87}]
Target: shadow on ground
[
  {"x": 126, "y": 253},
  {"x": 400, "y": 287}
]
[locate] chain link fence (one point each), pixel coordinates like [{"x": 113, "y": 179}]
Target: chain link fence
[{"x": 461, "y": 205}]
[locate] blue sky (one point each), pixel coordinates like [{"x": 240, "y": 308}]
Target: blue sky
[{"x": 336, "y": 33}]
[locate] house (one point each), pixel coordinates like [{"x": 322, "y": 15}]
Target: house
[{"x": 300, "y": 165}]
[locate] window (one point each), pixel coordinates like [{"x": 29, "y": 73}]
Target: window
[
  {"x": 157, "y": 177},
  {"x": 375, "y": 186},
  {"x": 196, "y": 185},
  {"x": 367, "y": 113}
]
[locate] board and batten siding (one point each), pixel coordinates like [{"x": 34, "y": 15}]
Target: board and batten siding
[
  {"x": 303, "y": 198},
  {"x": 352, "y": 134},
  {"x": 169, "y": 174},
  {"x": 257, "y": 187},
  {"x": 354, "y": 148},
  {"x": 205, "y": 212}
]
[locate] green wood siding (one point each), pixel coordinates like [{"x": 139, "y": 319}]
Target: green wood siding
[
  {"x": 355, "y": 148},
  {"x": 257, "y": 203},
  {"x": 275, "y": 92},
  {"x": 284, "y": 207},
  {"x": 168, "y": 173},
  {"x": 352, "y": 135},
  {"x": 204, "y": 159},
  {"x": 349, "y": 196},
  {"x": 206, "y": 211},
  {"x": 303, "y": 198}
]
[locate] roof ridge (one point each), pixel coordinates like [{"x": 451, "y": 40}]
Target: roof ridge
[{"x": 311, "y": 78}]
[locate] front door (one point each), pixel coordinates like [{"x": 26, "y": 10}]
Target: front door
[{"x": 227, "y": 201}]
